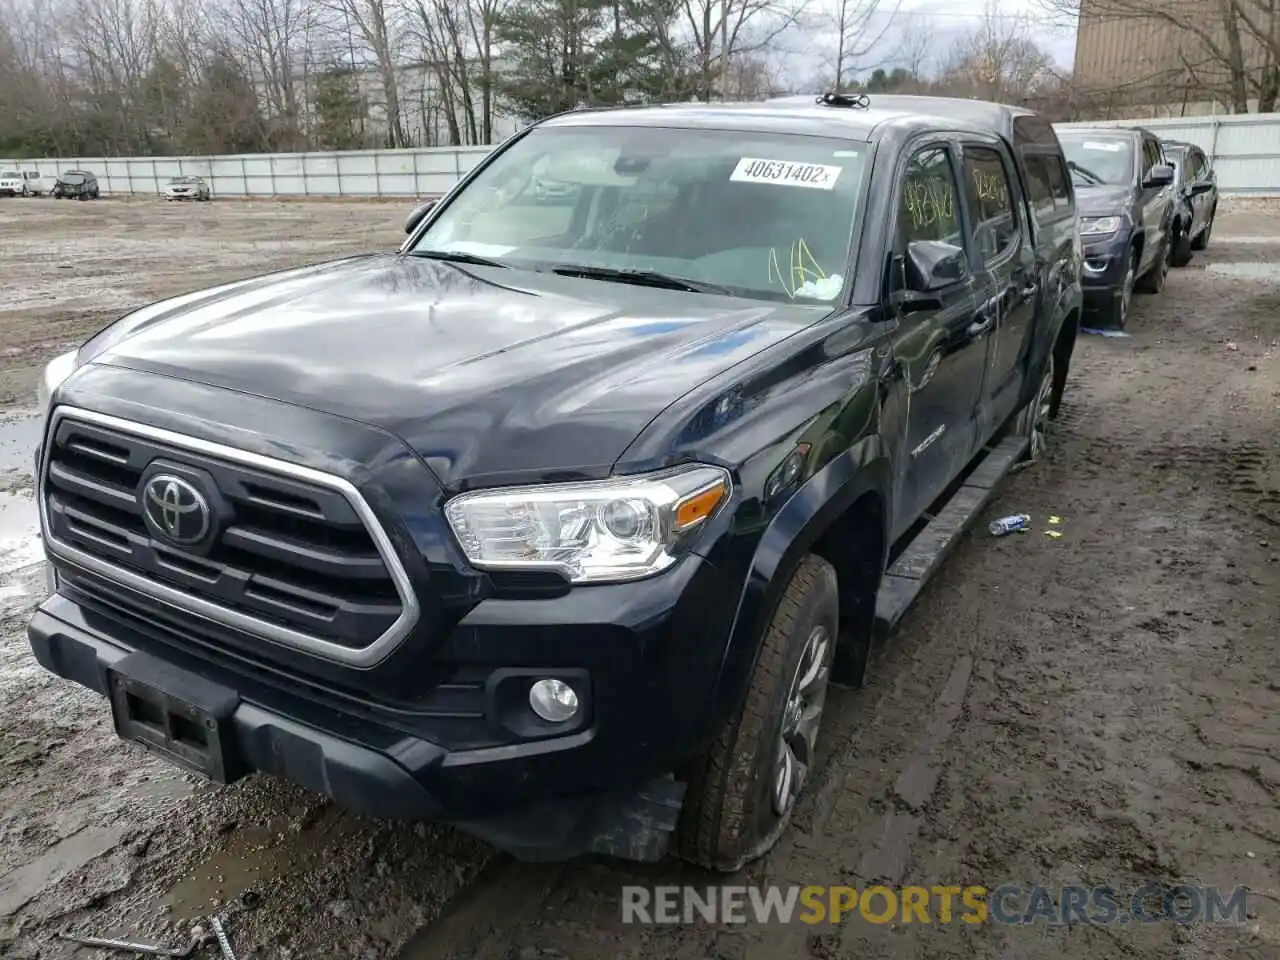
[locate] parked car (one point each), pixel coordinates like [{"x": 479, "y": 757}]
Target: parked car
[
  {"x": 1196, "y": 193},
  {"x": 186, "y": 188},
  {"x": 21, "y": 183},
  {"x": 556, "y": 526},
  {"x": 77, "y": 184},
  {"x": 1125, "y": 191}
]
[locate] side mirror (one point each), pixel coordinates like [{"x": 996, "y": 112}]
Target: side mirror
[
  {"x": 1161, "y": 176},
  {"x": 411, "y": 222},
  {"x": 929, "y": 266},
  {"x": 932, "y": 265},
  {"x": 1201, "y": 186}
]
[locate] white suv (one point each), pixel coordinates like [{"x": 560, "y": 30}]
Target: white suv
[{"x": 21, "y": 183}]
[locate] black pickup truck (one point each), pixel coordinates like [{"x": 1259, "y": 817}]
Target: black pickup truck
[{"x": 556, "y": 523}]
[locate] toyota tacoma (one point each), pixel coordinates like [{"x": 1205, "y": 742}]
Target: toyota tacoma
[{"x": 557, "y": 523}]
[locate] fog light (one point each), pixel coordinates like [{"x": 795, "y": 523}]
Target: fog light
[{"x": 553, "y": 700}]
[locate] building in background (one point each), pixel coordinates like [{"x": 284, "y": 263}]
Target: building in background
[{"x": 1149, "y": 58}]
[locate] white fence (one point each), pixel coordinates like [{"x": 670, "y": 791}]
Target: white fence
[
  {"x": 356, "y": 173},
  {"x": 1243, "y": 148}
]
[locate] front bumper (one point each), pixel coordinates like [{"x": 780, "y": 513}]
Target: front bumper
[
  {"x": 1105, "y": 261},
  {"x": 604, "y": 787}
]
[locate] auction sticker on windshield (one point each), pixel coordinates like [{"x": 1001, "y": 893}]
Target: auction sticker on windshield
[{"x": 815, "y": 176}]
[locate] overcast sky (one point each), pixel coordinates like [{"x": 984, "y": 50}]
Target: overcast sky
[{"x": 945, "y": 21}]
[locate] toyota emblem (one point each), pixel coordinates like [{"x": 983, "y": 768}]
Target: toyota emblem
[{"x": 177, "y": 509}]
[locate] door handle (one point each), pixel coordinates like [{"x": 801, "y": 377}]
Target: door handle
[{"x": 1029, "y": 291}]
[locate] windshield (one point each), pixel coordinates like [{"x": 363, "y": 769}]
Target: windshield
[
  {"x": 759, "y": 215},
  {"x": 182, "y": 181},
  {"x": 10, "y": 175},
  {"x": 72, "y": 177},
  {"x": 1097, "y": 159}
]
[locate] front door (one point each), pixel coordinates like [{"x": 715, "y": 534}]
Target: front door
[
  {"x": 939, "y": 355},
  {"x": 1008, "y": 276}
]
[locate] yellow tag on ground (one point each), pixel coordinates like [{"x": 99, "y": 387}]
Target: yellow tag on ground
[
  {"x": 1055, "y": 520},
  {"x": 1053, "y": 533}
]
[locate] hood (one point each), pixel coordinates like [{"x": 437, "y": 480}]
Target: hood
[
  {"x": 480, "y": 370},
  {"x": 1104, "y": 200}
]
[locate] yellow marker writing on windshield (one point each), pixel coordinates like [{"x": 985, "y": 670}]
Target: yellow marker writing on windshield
[{"x": 803, "y": 268}]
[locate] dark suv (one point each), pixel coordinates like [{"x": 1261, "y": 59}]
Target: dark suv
[
  {"x": 75, "y": 184},
  {"x": 555, "y": 524},
  {"x": 1126, "y": 195},
  {"x": 1196, "y": 193}
]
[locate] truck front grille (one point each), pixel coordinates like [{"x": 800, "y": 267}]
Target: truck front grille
[{"x": 292, "y": 555}]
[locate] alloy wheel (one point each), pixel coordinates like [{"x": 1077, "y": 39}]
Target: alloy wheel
[
  {"x": 1126, "y": 290},
  {"x": 1037, "y": 422},
  {"x": 801, "y": 718}
]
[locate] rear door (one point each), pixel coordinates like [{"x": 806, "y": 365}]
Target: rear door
[
  {"x": 1197, "y": 168},
  {"x": 1009, "y": 281},
  {"x": 937, "y": 352},
  {"x": 1156, "y": 202}
]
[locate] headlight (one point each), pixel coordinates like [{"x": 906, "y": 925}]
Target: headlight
[
  {"x": 1097, "y": 226},
  {"x": 600, "y": 531},
  {"x": 54, "y": 375}
]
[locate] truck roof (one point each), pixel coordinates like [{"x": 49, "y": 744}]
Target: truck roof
[{"x": 800, "y": 116}]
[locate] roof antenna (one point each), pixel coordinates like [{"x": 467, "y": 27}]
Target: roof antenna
[{"x": 833, "y": 99}]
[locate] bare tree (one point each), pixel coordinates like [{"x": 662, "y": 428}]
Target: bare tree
[
  {"x": 999, "y": 60},
  {"x": 376, "y": 23},
  {"x": 269, "y": 37},
  {"x": 856, "y": 32},
  {"x": 722, "y": 29}
]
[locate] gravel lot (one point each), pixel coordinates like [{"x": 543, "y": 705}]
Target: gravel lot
[{"x": 1099, "y": 708}]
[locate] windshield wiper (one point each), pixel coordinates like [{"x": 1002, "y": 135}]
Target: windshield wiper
[
  {"x": 641, "y": 278},
  {"x": 1085, "y": 172},
  {"x": 457, "y": 256}
]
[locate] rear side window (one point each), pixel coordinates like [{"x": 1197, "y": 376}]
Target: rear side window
[
  {"x": 1060, "y": 185},
  {"x": 1038, "y": 186},
  {"x": 995, "y": 228},
  {"x": 1050, "y": 186},
  {"x": 1151, "y": 156},
  {"x": 1195, "y": 164}
]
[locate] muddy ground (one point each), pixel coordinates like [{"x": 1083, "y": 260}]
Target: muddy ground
[{"x": 1100, "y": 708}]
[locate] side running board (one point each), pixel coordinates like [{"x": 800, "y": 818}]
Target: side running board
[{"x": 906, "y": 578}]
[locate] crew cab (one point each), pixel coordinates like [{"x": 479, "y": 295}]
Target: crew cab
[
  {"x": 557, "y": 523},
  {"x": 1127, "y": 206},
  {"x": 1196, "y": 199}
]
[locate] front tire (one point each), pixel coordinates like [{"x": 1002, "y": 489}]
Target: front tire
[{"x": 743, "y": 790}]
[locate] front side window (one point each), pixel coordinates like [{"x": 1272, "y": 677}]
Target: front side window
[
  {"x": 764, "y": 216},
  {"x": 928, "y": 208},
  {"x": 995, "y": 228},
  {"x": 1097, "y": 159}
]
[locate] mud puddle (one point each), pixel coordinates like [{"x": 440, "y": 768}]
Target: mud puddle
[
  {"x": 1246, "y": 271},
  {"x": 19, "y": 436}
]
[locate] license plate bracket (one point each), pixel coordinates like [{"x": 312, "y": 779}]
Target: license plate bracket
[{"x": 176, "y": 714}]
